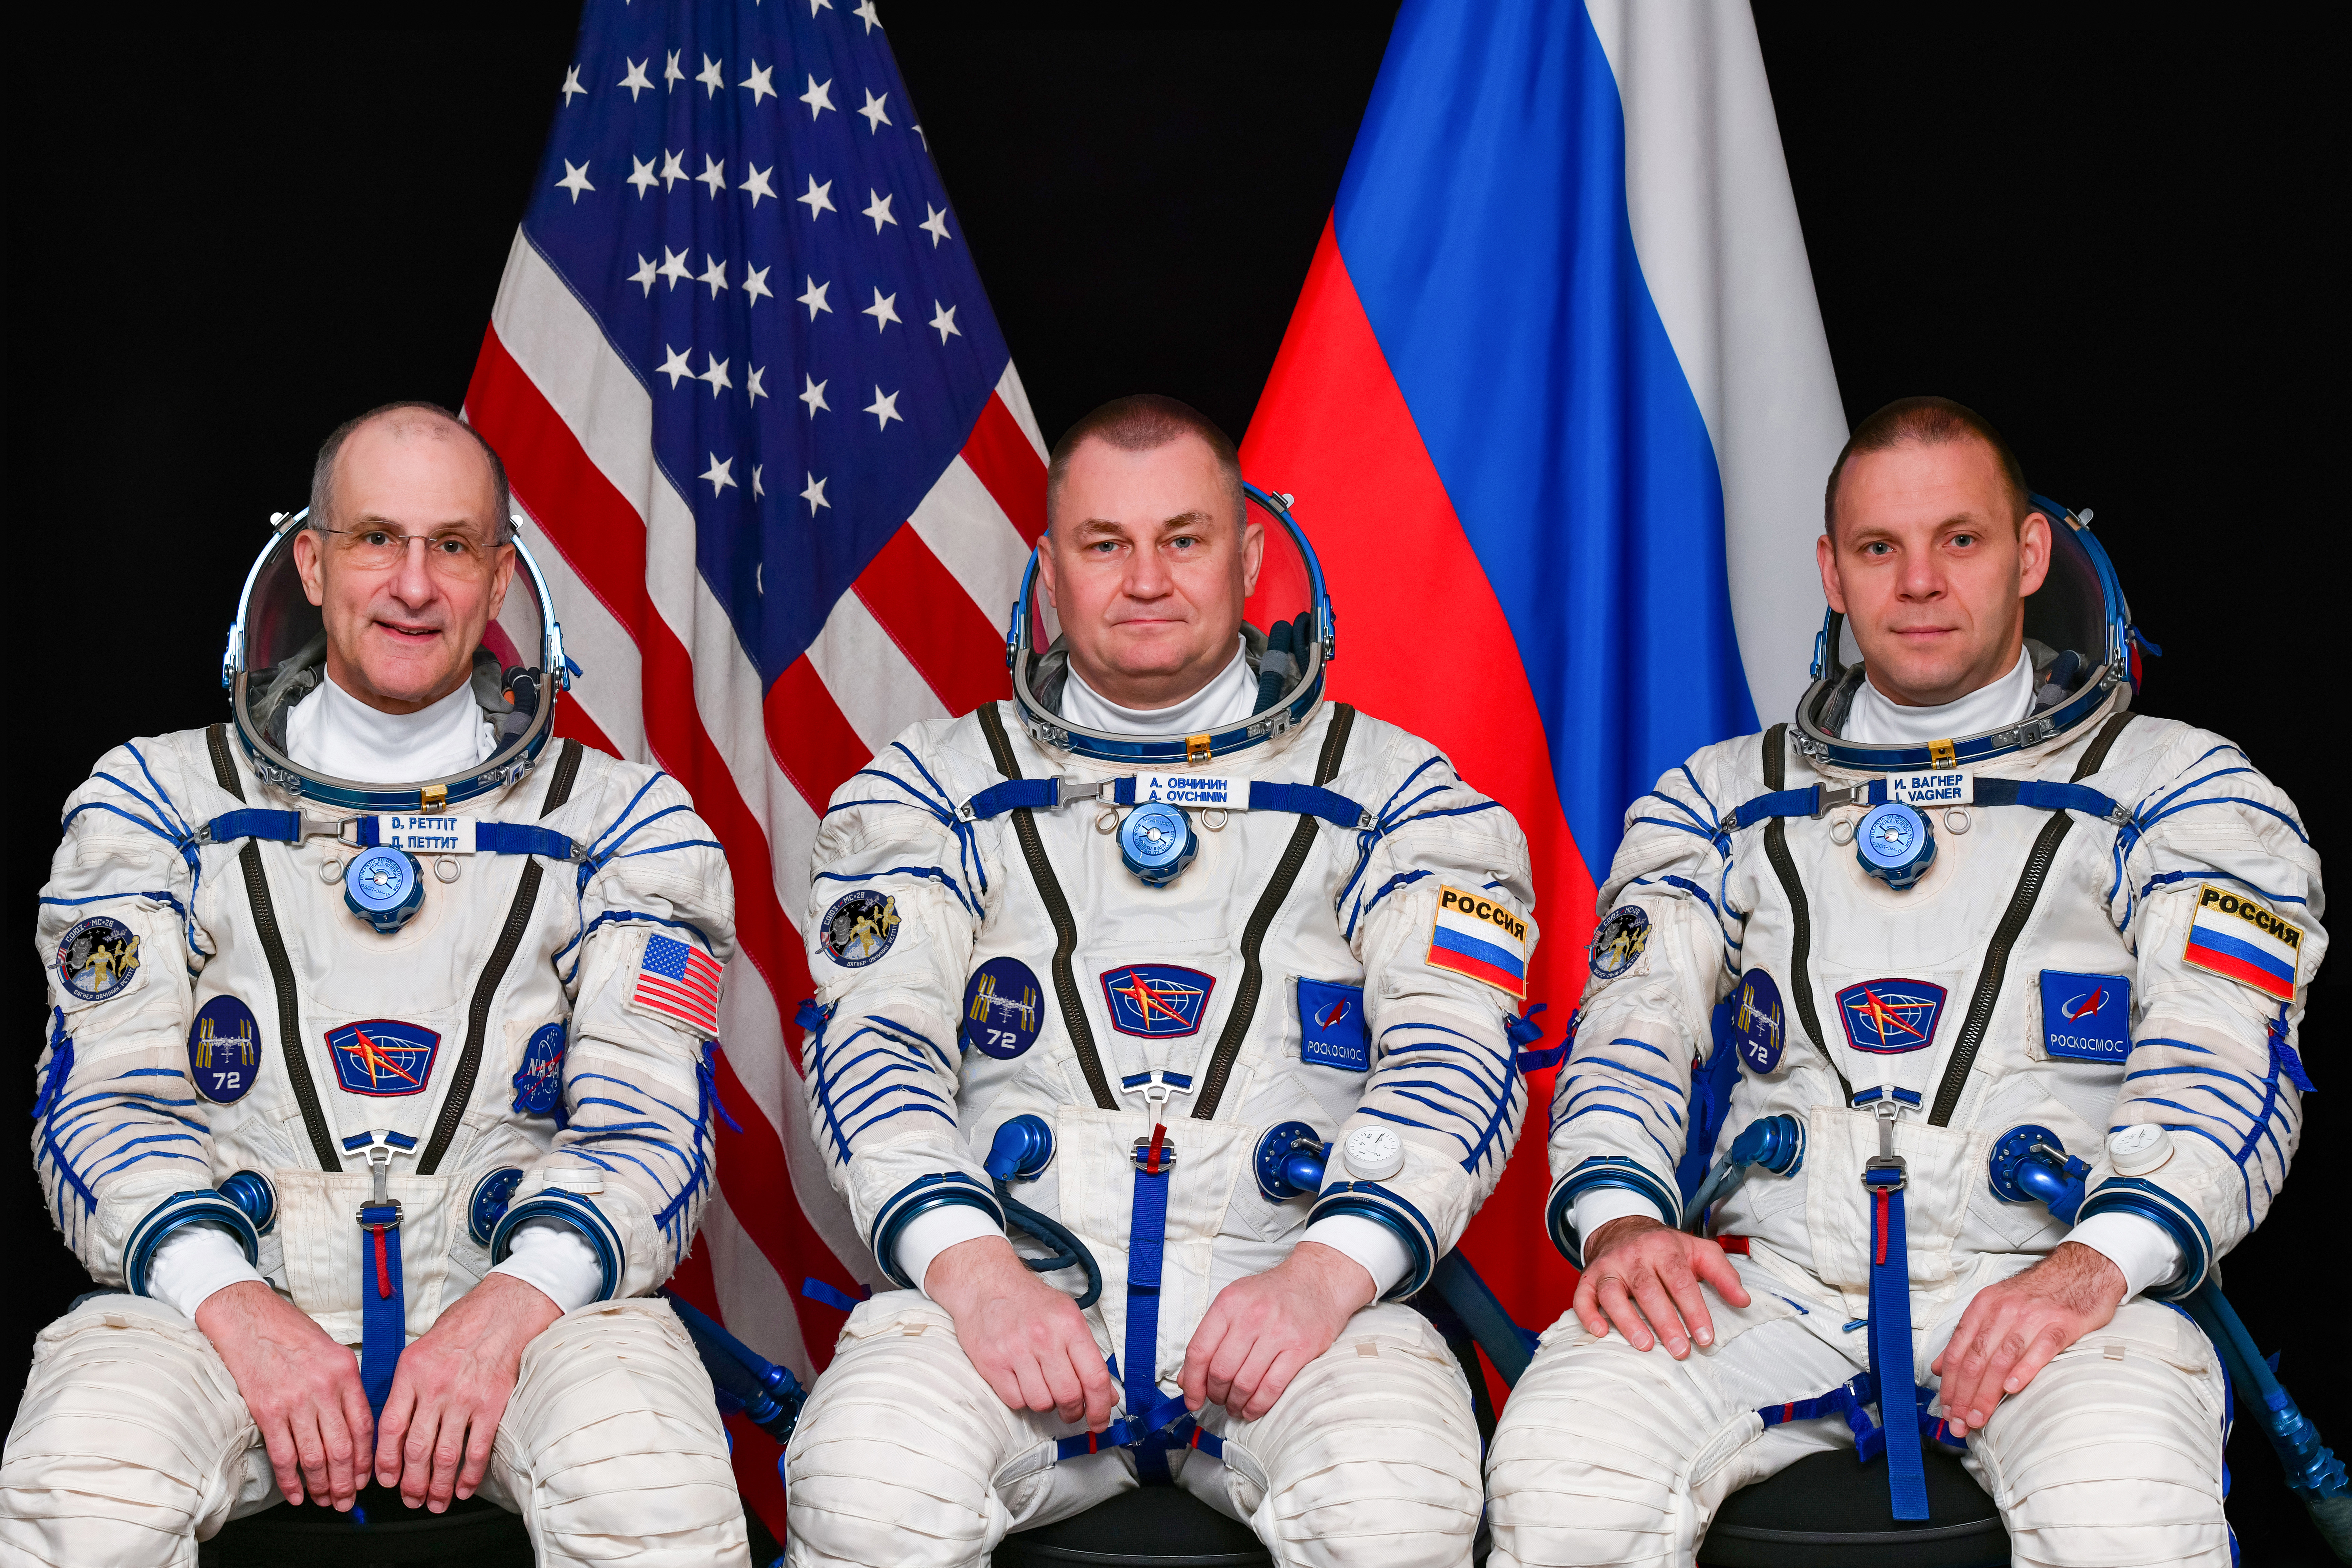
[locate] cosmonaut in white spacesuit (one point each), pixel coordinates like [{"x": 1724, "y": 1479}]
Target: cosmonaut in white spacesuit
[
  {"x": 1110, "y": 959},
  {"x": 339, "y": 1059},
  {"x": 1970, "y": 911}
]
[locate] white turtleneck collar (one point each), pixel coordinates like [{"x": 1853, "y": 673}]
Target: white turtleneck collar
[
  {"x": 334, "y": 733},
  {"x": 1873, "y": 721},
  {"x": 1225, "y": 701}
]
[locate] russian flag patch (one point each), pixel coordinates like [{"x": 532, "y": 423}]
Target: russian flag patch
[
  {"x": 1481, "y": 937},
  {"x": 680, "y": 982},
  {"x": 2238, "y": 937}
]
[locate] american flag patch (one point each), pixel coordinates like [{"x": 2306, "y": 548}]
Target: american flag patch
[{"x": 679, "y": 980}]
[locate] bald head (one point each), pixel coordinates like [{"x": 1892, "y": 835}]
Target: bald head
[{"x": 401, "y": 423}]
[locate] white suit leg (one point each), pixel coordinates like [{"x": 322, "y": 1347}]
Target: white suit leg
[
  {"x": 1369, "y": 1457},
  {"x": 2112, "y": 1454},
  {"x": 1609, "y": 1455},
  {"x": 904, "y": 1456},
  {"x": 131, "y": 1443},
  {"x": 611, "y": 1447}
]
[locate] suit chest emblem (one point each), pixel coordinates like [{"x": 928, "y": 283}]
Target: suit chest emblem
[
  {"x": 1157, "y": 1001},
  {"x": 1889, "y": 1018},
  {"x": 384, "y": 1058}
]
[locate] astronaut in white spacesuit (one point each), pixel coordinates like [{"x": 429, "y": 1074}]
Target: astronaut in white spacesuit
[
  {"x": 378, "y": 1016},
  {"x": 1111, "y": 965},
  {"x": 1973, "y": 916}
]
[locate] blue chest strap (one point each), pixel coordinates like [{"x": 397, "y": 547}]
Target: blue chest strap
[
  {"x": 2042, "y": 794},
  {"x": 1147, "y": 1250},
  {"x": 367, "y": 832},
  {"x": 1049, "y": 794}
]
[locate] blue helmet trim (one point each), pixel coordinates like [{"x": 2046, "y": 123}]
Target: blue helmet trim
[
  {"x": 2116, "y": 670},
  {"x": 508, "y": 767},
  {"x": 1053, "y": 730}
]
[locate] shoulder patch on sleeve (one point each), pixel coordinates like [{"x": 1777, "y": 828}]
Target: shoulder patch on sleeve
[
  {"x": 97, "y": 959},
  {"x": 1480, "y": 936},
  {"x": 2238, "y": 938},
  {"x": 680, "y": 982}
]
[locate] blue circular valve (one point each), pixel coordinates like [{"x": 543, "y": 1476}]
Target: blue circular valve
[
  {"x": 384, "y": 888},
  {"x": 1290, "y": 1162},
  {"x": 1022, "y": 1148},
  {"x": 251, "y": 1192},
  {"x": 1157, "y": 842},
  {"x": 2010, "y": 1154},
  {"x": 1894, "y": 844},
  {"x": 492, "y": 1194}
]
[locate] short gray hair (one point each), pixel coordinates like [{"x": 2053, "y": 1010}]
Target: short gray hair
[{"x": 322, "y": 472}]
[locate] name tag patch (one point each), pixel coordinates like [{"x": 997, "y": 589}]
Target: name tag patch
[
  {"x": 1938, "y": 788},
  {"x": 1333, "y": 1031},
  {"x": 427, "y": 835},
  {"x": 2085, "y": 1017},
  {"x": 2238, "y": 937},
  {"x": 1202, "y": 791},
  {"x": 382, "y": 1057},
  {"x": 1481, "y": 937},
  {"x": 1889, "y": 1018},
  {"x": 224, "y": 1050}
]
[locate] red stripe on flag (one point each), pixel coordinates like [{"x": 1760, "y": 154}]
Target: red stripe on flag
[
  {"x": 2236, "y": 968},
  {"x": 1332, "y": 426},
  {"x": 571, "y": 722},
  {"x": 1000, "y": 453},
  {"x": 808, "y": 735},
  {"x": 935, "y": 623},
  {"x": 574, "y": 502}
]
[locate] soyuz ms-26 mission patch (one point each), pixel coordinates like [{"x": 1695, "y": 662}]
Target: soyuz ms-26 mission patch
[
  {"x": 98, "y": 958},
  {"x": 859, "y": 927}
]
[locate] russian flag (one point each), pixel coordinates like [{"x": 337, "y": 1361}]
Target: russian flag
[{"x": 1558, "y": 410}]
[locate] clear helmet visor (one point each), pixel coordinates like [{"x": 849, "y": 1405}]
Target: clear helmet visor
[
  {"x": 276, "y": 656},
  {"x": 2078, "y": 635},
  {"x": 1286, "y": 634}
]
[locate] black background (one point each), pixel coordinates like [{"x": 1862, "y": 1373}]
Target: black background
[{"x": 2100, "y": 231}]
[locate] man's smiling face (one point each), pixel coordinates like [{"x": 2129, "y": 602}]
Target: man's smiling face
[
  {"x": 402, "y": 635},
  {"x": 1931, "y": 569}
]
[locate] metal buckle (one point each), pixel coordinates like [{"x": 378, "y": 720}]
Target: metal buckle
[
  {"x": 392, "y": 1224},
  {"x": 1832, "y": 799},
  {"x": 1142, "y": 1152},
  {"x": 1068, "y": 791},
  {"x": 1895, "y": 1163}
]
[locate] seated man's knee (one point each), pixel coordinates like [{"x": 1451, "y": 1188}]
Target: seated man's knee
[
  {"x": 1591, "y": 1455},
  {"x": 2112, "y": 1453},
  {"x": 1371, "y": 1455},
  {"x": 129, "y": 1439},
  {"x": 615, "y": 1429},
  {"x": 895, "y": 1454}
]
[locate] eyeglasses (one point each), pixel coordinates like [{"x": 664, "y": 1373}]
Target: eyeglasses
[{"x": 446, "y": 553}]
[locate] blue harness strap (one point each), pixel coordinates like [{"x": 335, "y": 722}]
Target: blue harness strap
[
  {"x": 254, "y": 823},
  {"x": 1890, "y": 1331},
  {"x": 367, "y": 832},
  {"x": 521, "y": 838},
  {"x": 2042, "y": 794},
  {"x": 1147, "y": 1249},
  {"x": 1308, "y": 800},
  {"x": 1044, "y": 795},
  {"x": 383, "y": 1300}
]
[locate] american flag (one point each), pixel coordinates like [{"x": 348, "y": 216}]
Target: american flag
[
  {"x": 740, "y": 329},
  {"x": 681, "y": 981}
]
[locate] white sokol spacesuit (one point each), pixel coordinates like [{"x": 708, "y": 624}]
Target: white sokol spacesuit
[
  {"x": 1142, "y": 1015},
  {"x": 2070, "y": 930},
  {"x": 365, "y": 1042}
]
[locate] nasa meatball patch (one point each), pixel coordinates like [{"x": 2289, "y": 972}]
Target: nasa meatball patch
[
  {"x": 1332, "y": 1030},
  {"x": 98, "y": 958},
  {"x": 539, "y": 1082},
  {"x": 2085, "y": 1017},
  {"x": 2238, "y": 937},
  {"x": 1480, "y": 936},
  {"x": 859, "y": 927}
]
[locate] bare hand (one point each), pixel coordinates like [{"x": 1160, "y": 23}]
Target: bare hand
[
  {"x": 302, "y": 1387},
  {"x": 1028, "y": 1340},
  {"x": 1635, "y": 1267},
  {"x": 451, "y": 1387},
  {"x": 2012, "y": 1329},
  {"x": 1263, "y": 1328}
]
